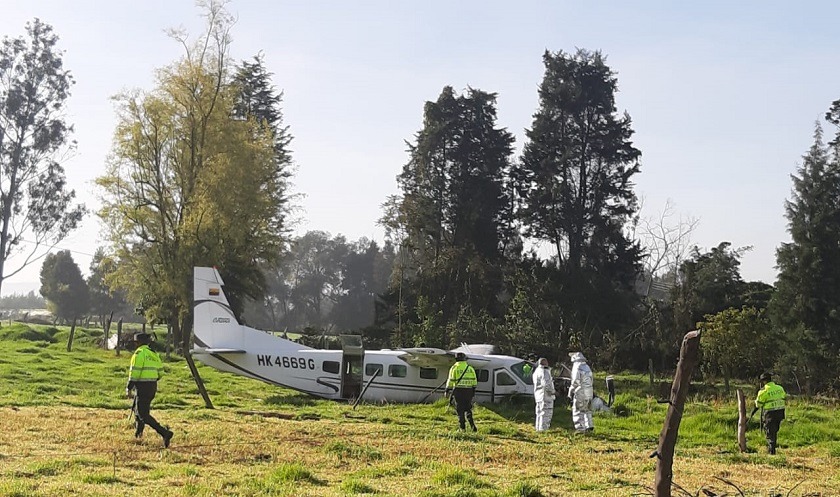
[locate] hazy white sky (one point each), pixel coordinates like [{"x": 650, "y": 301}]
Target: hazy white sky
[{"x": 723, "y": 94}]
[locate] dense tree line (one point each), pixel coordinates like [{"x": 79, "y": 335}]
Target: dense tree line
[
  {"x": 29, "y": 300},
  {"x": 544, "y": 252}
]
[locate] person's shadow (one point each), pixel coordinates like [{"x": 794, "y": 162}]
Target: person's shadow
[{"x": 521, "y": 410}]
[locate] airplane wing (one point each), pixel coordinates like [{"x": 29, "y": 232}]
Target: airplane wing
[
  {"x": 480, "y": 348},
  {"x": 202, "y": 350},
  {"x": 426, "y": 357}
]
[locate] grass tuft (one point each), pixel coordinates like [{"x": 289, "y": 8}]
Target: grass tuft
[
  {"x": 293, "y": 473},
  {"x": 524, "y": 489},
  {"x": 100, "y": 479},
  {"x": 353, "y": 486},
  {"x": 348, "y": 451},
  {"x": 451, "y": 476}
]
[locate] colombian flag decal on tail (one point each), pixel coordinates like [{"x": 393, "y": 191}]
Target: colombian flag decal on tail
[{"x": 214, "y": 291}]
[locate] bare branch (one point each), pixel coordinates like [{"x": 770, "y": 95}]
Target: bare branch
[
  {"x": 792, "y": 488},
  {"x": 736, "y": 487}
]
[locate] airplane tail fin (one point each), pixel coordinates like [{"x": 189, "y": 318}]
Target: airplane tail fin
[{"x": 214, "y": 324}]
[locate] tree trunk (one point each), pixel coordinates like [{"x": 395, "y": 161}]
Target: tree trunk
[
  {"x": 650, "y": 373},
  {"x": 119, "y": 336},
  {"x": 670, "y": 429},
  {"x": 177, "y": 339},
  {"x": 168, "y": 340},
  {"x": 742, "y": 420},
  {"x": 70, "y": 338},
  {"x": 726, "y": 379}
]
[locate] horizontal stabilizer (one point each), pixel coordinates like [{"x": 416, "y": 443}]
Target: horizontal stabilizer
[{"x": 202, "y": 350}]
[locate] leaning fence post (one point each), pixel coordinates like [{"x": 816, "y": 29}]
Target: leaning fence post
[
  {"x": 70, "y": 337},
  {"x": 679, "y": 391}
]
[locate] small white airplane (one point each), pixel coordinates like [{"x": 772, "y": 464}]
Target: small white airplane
[{"x": 402, "y": 375}]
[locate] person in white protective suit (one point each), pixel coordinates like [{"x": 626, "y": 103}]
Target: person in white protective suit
[
  {"x": 543, "y": 394},
  {"x": 580, "y": 393}
]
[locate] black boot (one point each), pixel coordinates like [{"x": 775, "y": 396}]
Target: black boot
[
  {"x": 470, "y": 419},
  {"x": 138, "y": 427},
  {"x": 167, "y": 437},
  {"x": 771, "y": 448}
]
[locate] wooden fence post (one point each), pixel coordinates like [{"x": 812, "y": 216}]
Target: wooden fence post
[
  {"x": 119, "y": 335},
  {"x": 742, "y": 420},
  {"x": 70, "y": 338},
  {"x": 106, "y": 331},
  {"x": 679, "y": 391}
]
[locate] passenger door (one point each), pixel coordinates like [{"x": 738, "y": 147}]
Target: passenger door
[{"x": 504, "y": 385}]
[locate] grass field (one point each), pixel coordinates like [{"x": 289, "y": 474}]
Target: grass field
[{"x": 65, "y": 430}]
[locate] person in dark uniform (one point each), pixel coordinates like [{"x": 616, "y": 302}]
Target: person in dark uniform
[
  {"x": 146, "y": 369},
  {"x": 462, "y": 383}
]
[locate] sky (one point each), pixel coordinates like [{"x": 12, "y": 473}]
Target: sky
[{"x": 723, "y": 95}]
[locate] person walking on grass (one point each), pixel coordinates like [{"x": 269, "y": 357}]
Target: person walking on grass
[
  {"x": 543, "y": 395},
  {"x": 462, "y": 382},
  {"x": 143, "y": 375},
  {"x": 771, "y": 401}
]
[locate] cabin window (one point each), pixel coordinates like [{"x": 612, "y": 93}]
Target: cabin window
[
  {"x": 482, "y": 375},
  {"x": 397, "y": 371},
  {"x": 524, "y": 373},
  {"x": 331, "y": 367},
  {"x": 503, "y": 379},
  {"x": 428, "y": 373},
  {"x": 371, "y": 369}
]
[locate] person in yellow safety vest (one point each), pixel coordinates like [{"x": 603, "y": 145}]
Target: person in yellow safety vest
[
  {"x": 146, "y": 369},
  {"x": 771, "y": 401},
  {"x": 528, "y": 367},
  {"x": 462, "y": 382}
]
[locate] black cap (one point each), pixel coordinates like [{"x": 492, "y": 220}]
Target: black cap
[
  {"x": 460, "y": 356},
  {"x": 142, "y": 337},
  {"x": 765, "y": 377}
]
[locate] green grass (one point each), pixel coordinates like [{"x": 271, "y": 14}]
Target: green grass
[
  {"x": 65, "y": 424},
  {"x": 353, "y": 486}
]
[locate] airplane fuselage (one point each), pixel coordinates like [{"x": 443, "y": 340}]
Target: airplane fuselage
[
  {"x": 332, "y": 375},
  {"x": 403, "y": 375}
]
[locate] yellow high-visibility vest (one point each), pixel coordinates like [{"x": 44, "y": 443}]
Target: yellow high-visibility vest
[
  {"x": 145, "y": 365},
  {"x": 462, "y": 375},
  {"x": 771, "y": 397}
]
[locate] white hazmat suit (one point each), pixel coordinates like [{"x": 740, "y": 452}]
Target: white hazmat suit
[
  {"x": 543, "y": 395},
  {"x": 580, "y": 392}
]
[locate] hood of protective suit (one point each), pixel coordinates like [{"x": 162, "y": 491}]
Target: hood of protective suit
[{"x": 577, "y": 357}]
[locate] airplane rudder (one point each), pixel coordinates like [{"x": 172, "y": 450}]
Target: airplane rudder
[{"x": 207, "y": 285}]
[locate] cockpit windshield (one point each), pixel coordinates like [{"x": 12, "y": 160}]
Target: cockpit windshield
[{"x": 523, "y": 370}]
